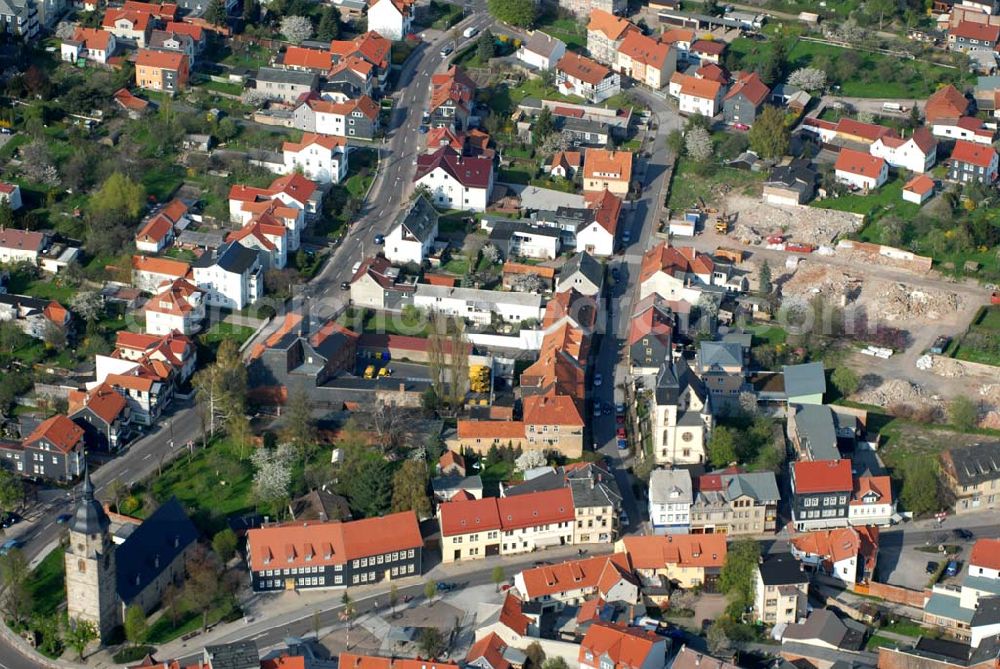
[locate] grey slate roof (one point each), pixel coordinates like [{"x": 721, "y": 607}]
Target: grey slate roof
[
  {"x": 673, "y": 379},
  {"x": 505, "y": 229},
  {"x": 604, "y": 492},
  {"x": 419, "y": 220},
  {"x": 804, "y": 379},
  {"x": 976, "y": 464},
  {"x": 760, "y": 486},
  {"x": 152, "y": 547},
  {"x": 280, "y": 76},
  {"x": 824, "y": 625},
  {"x": 782, "y": 569},
  {"x": 585, "y": 264},
  {"x": 670, "y": 486},
  {"x": 987, "y": 612},
  {"x": 441, "y": 484},
  {"x": 542, "y": 44},
  {"x": 236, "y": 655},
  {"x": 232, "y": 257},
  {"x": 718, "y": 355},
  {"x": 89, "y": 517},
  {"x": 817, "y": 431}
]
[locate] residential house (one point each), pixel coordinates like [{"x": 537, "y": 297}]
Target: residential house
[
  {"x": 691, "y": 659},
  {"x": 645, "y": 60},
  {"x": 321, "y": 158},
  {"x": 972, "y": 476},
  {"x": 613, "y": 646},
  {"x": 412, "y": 238},
  {"x": 934, "y": 653},
  {"x": 814, "y": 431},
  {"x": 872, "y": 502},
  {"x": 821, "y": 638},
  {"x": 492, "y": 652},
  {"x": 565, "y": 164},
  {"x": 597, "y": 235},
  {"x": 149, "y": 273},
  {"x": 172, "y": 355},
  {"x": 696, "y": 96},
  {"x": 596, "y": 497},
  {"x": 972, "y": 162},
  {"x": 88, "y": 44},
  {"x": 918, "y": 153},
  {"x": 19, "y": 18},
  {"x": 267, "y": 235},
  {"x": 288, "y": 200},
  {"x": 670, "y": 499},
  {"x": 821, "y": 492},
  {"x": 524, "y": 239},
  {"x": 478, "y": 306},
  {"x": 20, "y": 245},
  {"x": 11, "y": 194},
  {"x": 947, "y": 103},
  {"x": 607, "y": 170},
  {"x": 968, "y": 128},
  {"x": 706, "y": 51},
  {"x": 177, "y": 306},
  {"x": 680, "y": 273},
  {"x": 571, "y": 583},
  {"x": 285, "y": 85},
  {"x": 580, "y": 76},
  {"x": 969, "y": 610},
  {"x": 781, "y": 591},
  {"x": 165, "y": 40},
  {"x": 847, "y": 554},
  {"x": 451, "y": 99},
  {"x": 455, "y": 488},
  {"x": 735, "y": 503},
  {"x": 986, "y": 94},
  {"x": 845, "y": 132},
  {"x": 650, "y": 336},
  {"x": 554, "y": 423},
  {"x": 973, "y": 36},
  {"x": 198, "y": 34},
  {"x": 454, "y": 181},
  {"x": 745, "y": 100},
  {"x": 685, "y": 560},
  {"x": 481, "y": 435},
  {"x": 53, "y": 451},
  {"x": 302, "y": 354},
  {"x": 158, "y": 232},
  {"x": 919, "y": 189},
  {"x": 129, "y": 24},
  {"x": 356, "y": 118},
  {"x": 378, "y": 285},
  {"x": 581, "y": 273},
  {"x": 232, "y": 276},
  {"x": 104, "y": 415},
  {"x": 860, "y": 170},
  {"x": 371, "y": 47},
  {"x": 605, "y": 33},
  {"x": 165, "y": 71},
  {"x": 478, "y": 528},
  {"x": 804, "y": 383},
  {"x": 451, "y": 464},
  {"x": 541, "y": 51},
  {"x": 390, "y": 18},
  {"x": 306, "y": 556},
  {"x": 723, "y": 366},
  {"x": 305, "y": 59}
]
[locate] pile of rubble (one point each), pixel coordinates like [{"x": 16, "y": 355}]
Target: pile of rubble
[
  {"x": 810, "y": 279},
  {"x": 899, "y": 302},
  {"x": 989, "y": 394},
  {"x": 756, "y": 220},
  {"x": 892, "y": 391}
]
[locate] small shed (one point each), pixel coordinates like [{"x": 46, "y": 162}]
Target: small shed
[{"x": 919, "y": 189}]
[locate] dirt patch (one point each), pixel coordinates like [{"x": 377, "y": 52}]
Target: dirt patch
[
  {"x": 756, "y": 220},
  {"x": 893, "y": 391},
  {"x": 899, "y": 302}
]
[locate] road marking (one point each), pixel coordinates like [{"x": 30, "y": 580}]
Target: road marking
[{"x": 147, "y": 456}]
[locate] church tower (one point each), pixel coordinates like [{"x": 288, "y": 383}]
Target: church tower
[{"x": 91, "y": 579}]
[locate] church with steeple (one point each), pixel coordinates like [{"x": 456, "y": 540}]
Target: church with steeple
[{"x": 104, "y": 577}]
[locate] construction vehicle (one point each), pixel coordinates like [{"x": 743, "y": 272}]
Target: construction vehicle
[
  {"x": 370, "y": 372},
  {"x": 384, "y": 372},
  {"x": 722, "y": 224}
]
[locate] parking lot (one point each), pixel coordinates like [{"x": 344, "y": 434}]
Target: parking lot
[{"x": 908, "y": 565}]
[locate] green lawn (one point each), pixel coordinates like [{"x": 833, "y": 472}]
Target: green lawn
[
  {"x": 768, "y": 334},
  {"x": 981, "y": 343},
  {"x": 874, "y": 205},
  {"x": 188, "y": 621},
  {"x": 875, "y": 642},
  {"x": 411, "y": 324},
  {"x": 45, "y": 288},
  {"x": 229, "y": 88},
  {"x": 503, "y": 99},
  {"x": 573, "y": 33},
  {"x": 47, "y": 584},
  {"x": 688, "y": 185},
  {"x": 458, "y": 265},
  {"x": 443, "y": 15},
  {"x": 515, "y": 176},
  {"x": 247, "y": 56},
  {"x": 361, "y": 171}
]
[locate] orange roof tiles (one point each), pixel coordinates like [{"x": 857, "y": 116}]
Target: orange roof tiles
[
  {"x": 673, "y": 260},
  {"x": 512, "y": 614},
  {"x": 463, "y": 517},
  {"x": 879, "y": 486},
  {"x": 552, "y": 410},
  {"x": 302, "y": 544},
  {"x": 507, "y": 513},
  {"x": 646, "y": 50},
  {"x": 173, "y": 298},
  {"x": 352, "y": 661},
  {"x": 313, "y": 59},
  {"x": 582, "y": 574},
  {"x": 197, "y": 33},
  {"x": 491, "y": 648},
  {"x": 859, "y": 163},
  {"x": 56, "y": 313},
  {"x": 626, "y": 647},
  {"x": 451, "y": 459},
  {"x": 92, "y": 38},
  {"x": 973, "y": 153},
  {"x": 675, "y": 35},
  {"x": 582, "y": 68},
  {"x": 945, "y": 104},
  {"x": 986, "y": 553},
  {"x": 139, "y": 20},
  {"x": 103, "y": 401},
  {"x": 822, "y": 476},
  {"x": 708, "y": 47},
  {"x": 329, "y": 142},
  {"x": 490, "y": 429},
  {"x": 59, "y": 431},
  {"x": 164, "y": 60},
  {"x": 831, "y": 545},
  {"x": 613, "y": 27},
  {"x": 21, "y": 239},
  {"x": 155, "y": 230},
  {"x": 604, "y": 164},
  {"x": 751, "y": 86},
  {"x": 706, "y": 89},
  {"x": 684, "y": 550},
  {"x": 607, "y": 208},
  {"x": 510, "y": 267},
  {"x": 165, "y": 266},
  {"x": 919, "y": 184}
]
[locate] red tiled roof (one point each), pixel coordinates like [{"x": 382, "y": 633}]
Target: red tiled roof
[
  {"x": 314, "y": 59},
  {"x": 582, "y": 68},
  {"x": 708, "y": 47},
  {"x": 512, "y": 614},
  {"x": 173, "y": 298},
  {"x": 626, "y": 647},
  {"x": 604, "y": 164},
  {"x": 103, "y": 401},
  {"x": 881, "y": 486},
  {"x": 490, "y": 429},
  {"x": 986, "y": 553},
  {"x": 469, "y": 172},
  {"x": 508, "y": 513},
  {"x": 197, "y": 33},
  {"x": 607, "y": 208},
  {"x": 946, "y": 103},
  {"x": 155, "y": 230},
  {"x": 165, "y": 266},
  {"x": 822, "y": 476},
  {"x": 867, "y": 131},
  {"x": 974, "y": 30},
  {"x": 451, "y": 459},
  {"x": 755, "y": 90},
  {"x": 712, "y": 72},
  {"x": 645, "y": 49},
  {"x": 491, "y": 648},
  {"x": 60, "y": 431},
  {"x": 675, "y": 35},
  {"x": 860, "y": 163},
  {"x": 295, "y": 186},
  {"x": 973, "y": 153},
  {"x": 919, "y": 184},
  {"x": 352, "y": 661},
  {"x": 328, "y": 142},
  {"x": 706, "y": 89},
  {"x": 139, "y": 20},
  {"x": 673, "y": 260},
  {"x": 11, "y": 238},
  {"x": 575, "y": 575},
  {"x": 685, "y": 550},
  {"x": 830, "y": 545},
  {"x": 126, "y": 99},
  {"x": 165, "y": 60},
  {"x": 613, "y": 27},
  {"x": 463, "y": 517},
  {"x": 301, "y": 544},
  {"x": 552, "y": 410},
  {"x": 92, "y": 38}
]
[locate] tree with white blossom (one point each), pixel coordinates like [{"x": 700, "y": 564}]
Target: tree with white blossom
[
  {"x": 698, "y": 144},
  {"x": 296, "y": 29},
  {"x": 273, "y": 477},
  {"x": 808, "y": 79},
  {"x": 530, "y": 460}
]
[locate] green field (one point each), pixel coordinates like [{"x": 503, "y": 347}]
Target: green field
[
  {"x": 46, "y": 584},
  {"x": 688, "y": 185},
  {"x": 573, "y": 33},
  {"x": 885, "y": 200}
]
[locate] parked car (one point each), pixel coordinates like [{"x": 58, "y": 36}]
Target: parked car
[
  {"x": 379, "y": 240},
  {"x": 598, "y": 379},
  {"x": 952, "y": 568},
  {"x": 963, "y": 534},
  {"x": 626, "y": 237},
  {"x": 620, "y": 408},
  {"x": 10, "y": 519},
  {"x": 446, "y": 586},
  {"x": 446, "y": 50},
  {"x": 355, "y": 267},
  {"x": 932, "y": 567},
  {"x": 622, "y": 445},
  {"x": 620, "y": 432},
  {"x": 597, "y": 409},
  {"x": 63, "y": 518},
  {"x": 471, "y": 31},
  {"x": 939, "y": 345},
  {"x": 10, "y": 545},
  {"x": 345, "y": 285}
]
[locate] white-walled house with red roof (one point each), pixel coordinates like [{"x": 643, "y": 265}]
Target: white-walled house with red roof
[
  {"x": 860, "y": 170},
  {"x": 11, "y": 194},
  {"x": 177, "y": 306},
  {"x": 390, "y": 18},
  {"x": 916, "y": 153},
  {"x": 456, "y": 181},
  {"x": 322, "y": 158},
  {"x": 919, "y": 189}
]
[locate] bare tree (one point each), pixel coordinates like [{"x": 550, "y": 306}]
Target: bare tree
[{"x": 459, "y": 364}]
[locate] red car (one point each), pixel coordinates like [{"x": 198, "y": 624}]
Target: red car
[{"x": 620, "y": 433}]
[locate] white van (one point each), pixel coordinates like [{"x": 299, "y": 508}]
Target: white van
[
  {"x": 893, "y": 107},
  {"x": 471, "y": 31}
]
